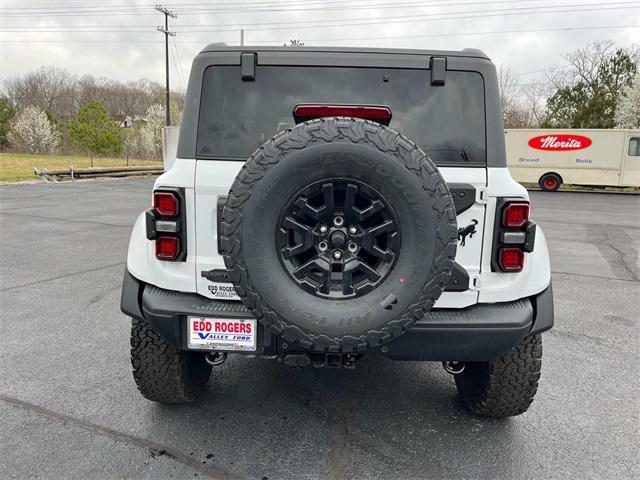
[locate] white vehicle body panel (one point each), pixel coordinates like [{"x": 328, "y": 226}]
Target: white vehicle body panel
[
  {"x": 205, "y": 181},
  {"x": 141, "y": 258},
  {"x": 606, "y": 162},
  {"x": 214, "y": 178},
  {"x": 536, "y": 274}
]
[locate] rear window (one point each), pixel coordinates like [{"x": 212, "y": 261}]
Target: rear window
[{"x": 446, "y": 121}]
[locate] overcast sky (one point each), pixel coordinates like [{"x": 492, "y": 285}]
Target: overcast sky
[{"x": 118, "y": 38}]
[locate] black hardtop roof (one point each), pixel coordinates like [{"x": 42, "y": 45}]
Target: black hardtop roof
[
  {"x": 467, "y": 60},
  {"x": 467, "y": 52}
]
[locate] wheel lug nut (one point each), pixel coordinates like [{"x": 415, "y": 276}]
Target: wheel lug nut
[
  {"x": 353, "y": 230},
  {"x": 338, "y": 221},
  {"x": 324, "y": 229},
  {"x": 337, "y": 254},
  {"x": 352, "y": 247},
  {"x": 322, "y": 246}
]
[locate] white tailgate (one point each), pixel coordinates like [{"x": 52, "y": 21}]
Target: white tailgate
[
  {"x": 214, "y": 179},
  {"x": 468, "y": 256}
]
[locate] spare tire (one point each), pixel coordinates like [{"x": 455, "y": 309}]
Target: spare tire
[{"x": 339, "y": 234}]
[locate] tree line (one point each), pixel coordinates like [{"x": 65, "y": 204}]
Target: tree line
[
  {"x": 597, "y": 86},
  {"x": 50, "y": 110}
]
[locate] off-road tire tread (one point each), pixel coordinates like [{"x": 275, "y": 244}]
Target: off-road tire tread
[
  {"x": 504, "y": 387},
  {"x": 163, "y": 373},
  {"x": 356, "y": 131}
]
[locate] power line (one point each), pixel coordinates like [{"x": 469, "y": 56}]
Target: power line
[
  {"x": 430, "y": 17},
  {"x": 306, "y": 8},
  {"x": 310, "y": 24},
  {"x": 326, "y": 39},
  {"x": 387, "y": 18},
  {"x": 472, "y": 33},
  {"x": 412, "y": 20},
  {"x": 136, "y": 10},
  {"x": 177, "y": 66},
  {"x": 244, "y": 5}
]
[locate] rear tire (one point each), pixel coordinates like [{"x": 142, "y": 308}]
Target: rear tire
[
  {"x": 504, "y": 387},
  {"x": 163, "y": 373},
  {"x": 550, "y": 182}
]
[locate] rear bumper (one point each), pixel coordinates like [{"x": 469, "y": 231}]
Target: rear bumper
[{"x": 478, "y": 333}]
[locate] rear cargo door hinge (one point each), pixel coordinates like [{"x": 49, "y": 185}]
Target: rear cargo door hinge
[
  {"x": 474, "y": 281},
  {"x": 482, "y": 195},
  {"x": 438, "y": 67},
  {"x": 248, "y": 62}
]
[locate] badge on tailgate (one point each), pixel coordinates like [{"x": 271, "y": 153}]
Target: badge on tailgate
[
  {"x": 221, "y": 288},
  {"x": 223, "y": 291}
]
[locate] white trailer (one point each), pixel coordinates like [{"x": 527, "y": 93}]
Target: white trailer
[{"x": 574, "y": 156}]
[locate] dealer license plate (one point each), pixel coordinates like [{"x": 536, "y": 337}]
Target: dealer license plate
[{"x": 222, "y": 334}]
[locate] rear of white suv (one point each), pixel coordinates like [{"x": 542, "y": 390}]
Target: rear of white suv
[{"x": 303, "y": 275}]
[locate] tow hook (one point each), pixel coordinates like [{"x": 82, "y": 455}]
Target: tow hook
[
  {"x": 454, "y": 368},
  {"x": 215, "y": 359}
]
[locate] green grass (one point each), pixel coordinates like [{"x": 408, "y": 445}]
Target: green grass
[{"x": 15, "y": 167}]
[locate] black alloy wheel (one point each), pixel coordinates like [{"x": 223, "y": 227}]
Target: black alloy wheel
[{"x": 338, "y": 239}]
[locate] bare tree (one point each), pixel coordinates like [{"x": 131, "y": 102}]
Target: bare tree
[
  {"x": 508, "y": 84},
  {"x": 534, "y": 97},
  {"x": 513, "y": 115},
  {"x": 585, "y": 62},
  {"x": 62, "y": 94},
  {"x": 294, "y": 42},
  {"x": 48, "y": 87},
  {"x": 588, "y": 89}
]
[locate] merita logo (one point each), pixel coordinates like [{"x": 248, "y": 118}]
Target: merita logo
[{"x": 559, "y": 142}]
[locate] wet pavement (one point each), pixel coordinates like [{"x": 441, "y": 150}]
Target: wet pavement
[{"x": 69, "y": 407}]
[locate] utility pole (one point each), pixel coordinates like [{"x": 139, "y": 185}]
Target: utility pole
[
  {"x": 167, "y": 13},
  {"x": 242, "y": 38}
]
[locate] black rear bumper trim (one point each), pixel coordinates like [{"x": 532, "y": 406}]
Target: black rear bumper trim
[{"x": 481, "y": 332}]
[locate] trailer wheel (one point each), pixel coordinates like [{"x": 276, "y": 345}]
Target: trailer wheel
[{"x": 550, "y": 182}]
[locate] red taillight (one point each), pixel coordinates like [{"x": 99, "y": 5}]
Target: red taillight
[
  {"x": 511, "y": 259},
  {"x": 165, "y": 204},
  {"x": 515, "y": 215},
  {"x": 377, "y": 113},
  {"x": 167, "y": 248}
]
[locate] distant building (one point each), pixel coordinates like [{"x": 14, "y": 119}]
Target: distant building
[{"x": 127, "y": 121}]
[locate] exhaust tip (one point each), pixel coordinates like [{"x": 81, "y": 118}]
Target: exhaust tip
[
  {"x": 453, "y": 368},
  {"x": 215, "y": 358}
]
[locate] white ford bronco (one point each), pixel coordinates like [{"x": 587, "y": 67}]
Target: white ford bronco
[{"x": 331, "y": 203}]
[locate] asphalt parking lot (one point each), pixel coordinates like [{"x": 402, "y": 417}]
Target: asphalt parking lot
[{"x": 70, "y": 409}]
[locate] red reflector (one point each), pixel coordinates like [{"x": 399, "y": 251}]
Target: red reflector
[
  {"x": 377, "y": 113},
  {"x": 165, "y": 203},
  {"x": 511, "y": 259},
  {"x": 167, "y": 248},
  {"x": 515, "y": 215}
]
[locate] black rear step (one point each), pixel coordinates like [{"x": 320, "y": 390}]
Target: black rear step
[{"x": 481, "y": 332}]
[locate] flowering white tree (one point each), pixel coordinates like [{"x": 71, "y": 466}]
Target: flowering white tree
[
  {"x": 145, "y": 140},
  {"x": 628, "y": 110},
  {"x": 137, "y": 143},
  {"x": 152, "y": 131},
  {"x": 32, "y": 132}
]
